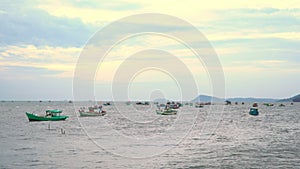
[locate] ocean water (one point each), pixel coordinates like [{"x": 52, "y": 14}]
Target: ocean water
[{"x": 215, "y": 136}]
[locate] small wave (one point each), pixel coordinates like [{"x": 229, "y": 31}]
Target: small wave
[{"x": 23, "y": 149}]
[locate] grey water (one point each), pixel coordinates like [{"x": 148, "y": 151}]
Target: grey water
[{"x": 134, "y": 136}]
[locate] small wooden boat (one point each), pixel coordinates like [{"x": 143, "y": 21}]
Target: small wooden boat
[
  {"x": 198, "y": 105},
  {"x": 92, "y": 111},
  {"x": 91, "y": 114},
  {"x": 268, "y": 104},
  {"x": 51, "y": 115},
  {"x": 107, "y": 104},
  {"x": 253, "y": 111},
  {"x": 166, "y": 112},
  {"x": 143, "y": 103},
  {"x": 228, "y": 102},
  {"x": 174, "y": 106}
]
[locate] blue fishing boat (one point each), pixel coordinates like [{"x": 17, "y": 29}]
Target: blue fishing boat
[{"x": 253, "y": 111}]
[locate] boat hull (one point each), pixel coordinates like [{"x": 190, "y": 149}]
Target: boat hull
[
  {"x": 253, "y": 111},
  {"x": 90, "y": 114},
  {"x": 33, "y": 117},
  {"x": 166, "y": 112}
]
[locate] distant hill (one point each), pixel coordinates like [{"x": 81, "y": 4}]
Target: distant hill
[
  {"x": 205, "y": 98},
  {"x": 251, "y": 99},
  {"x": 291, "y": 99}
]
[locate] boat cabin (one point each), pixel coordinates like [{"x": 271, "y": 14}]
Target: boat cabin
[{"x": 53, "y": 113}]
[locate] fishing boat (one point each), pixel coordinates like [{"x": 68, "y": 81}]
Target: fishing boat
[
  {"x": 107, "y": 104},
  {"x": 174, "y": 105},
  {"x": 92, "y": 111},
  {"x": 253, "y": 111},
  {"x": 89, "y": 114},
  {"x": 143, "y": 103},
  {"x": 268, "y": 104},
  {"x": 228, "y": 102},
  {"x": 51, "y": 115},
  {"x": 166, "y": 112},
  {"x": 199, "y": 105}
]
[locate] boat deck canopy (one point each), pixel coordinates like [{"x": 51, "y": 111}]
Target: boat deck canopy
[{"x": 54, "y": 111}]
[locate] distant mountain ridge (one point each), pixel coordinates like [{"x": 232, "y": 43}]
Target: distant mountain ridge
[
  {"x": 291, "y": 99},
  {"x": 206, "y": 98},
  {"x": 252, "y": 99}
]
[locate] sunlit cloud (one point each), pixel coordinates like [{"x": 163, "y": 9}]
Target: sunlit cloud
[
  {"x": 249, "y": 35},
  {"x": 253, "y": 39},
  {"x": 194, "y": 11},
  {"x": 87, "y": 13},
  {"x": 57, "y": 59},
  {"x": 256, "y": 66}
]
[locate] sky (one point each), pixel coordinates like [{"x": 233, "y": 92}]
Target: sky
[{"x": 256, "y": 43}]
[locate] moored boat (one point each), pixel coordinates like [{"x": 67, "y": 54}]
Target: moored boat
[
  {"x": 143, "y": 103},
  {"x": 92, "y": 111},
  {"x": 51, "y": 115},
  {"x": 166, "y": 112},
  {"x": 107, "y": 104},
  {"x": 253, "y": 111},
  {"x": 268, "y": 104},
  {"x": 90, "y": 114},
  {"x": 199, "y": 105}
]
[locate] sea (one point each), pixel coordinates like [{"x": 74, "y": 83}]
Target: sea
[{"x": 135, "y": 136}]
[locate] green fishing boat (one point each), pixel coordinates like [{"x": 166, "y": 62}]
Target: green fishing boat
[
  {"x": 51, "y": 115},
  {"x": 166, "y": 112},
  {"x": 268, "y": 104}
]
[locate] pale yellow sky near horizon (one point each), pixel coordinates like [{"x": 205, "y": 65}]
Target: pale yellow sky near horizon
[{"x": 257, "y": 41}]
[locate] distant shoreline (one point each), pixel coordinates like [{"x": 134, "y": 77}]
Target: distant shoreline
[{"x": 200, "y": 98}]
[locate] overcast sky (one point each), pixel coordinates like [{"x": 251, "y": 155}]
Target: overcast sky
[{"x": 257, "y": 43}]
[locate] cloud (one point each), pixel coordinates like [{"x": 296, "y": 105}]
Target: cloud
[
  {"x": 70, "y": 23},
  {"x": 283, "y": 20},
  {"x": 254, "y": 39},
  {"x": 95, "y": 4},
  {"x": 193, "y": 11},
  {"x": 58, "y": 61},
  {"x": 90, "y": 12},
  {"x": 274, "y": 67},
  {"x": 228, "y": 36},
  {"x": 30, "y": 25}
]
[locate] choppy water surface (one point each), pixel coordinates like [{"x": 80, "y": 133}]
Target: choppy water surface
[{"x": 135, "y": 137}]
